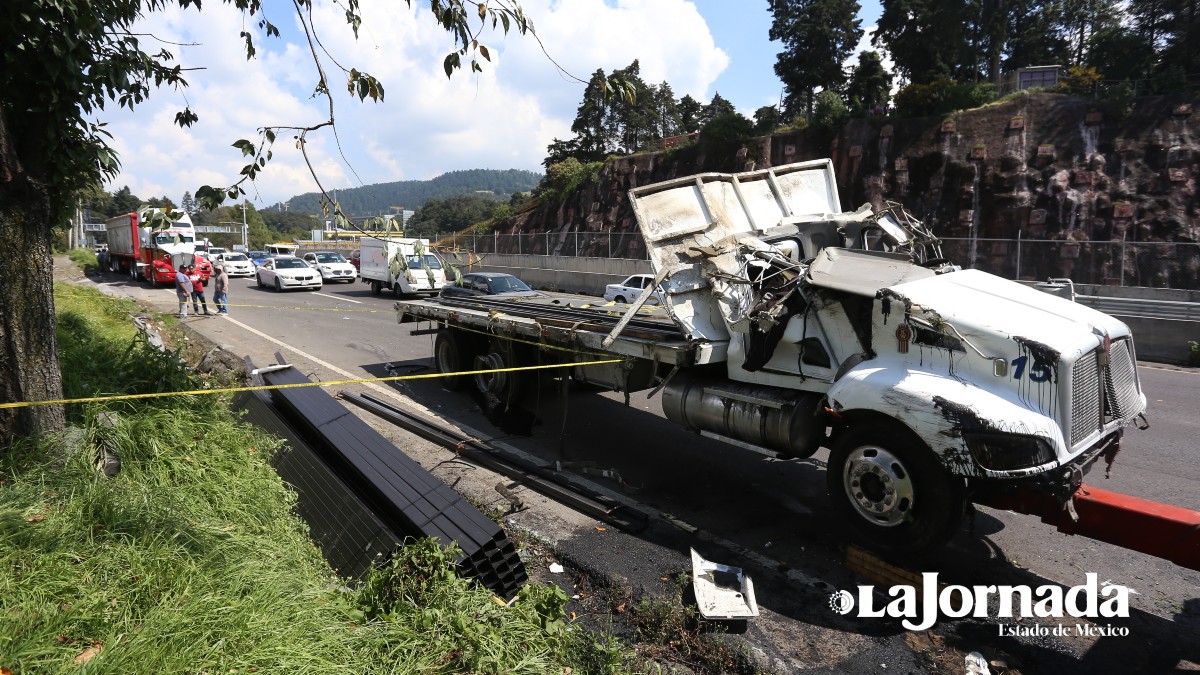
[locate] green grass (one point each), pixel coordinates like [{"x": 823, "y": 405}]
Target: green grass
[
  {"x": 191, "y": 559},
  {"x": 84, "y": 257}
]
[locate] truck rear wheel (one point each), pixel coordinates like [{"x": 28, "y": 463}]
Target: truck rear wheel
[
  {"x": 896, "y": 496},
  {"x": 505, "y": 386},
  {"x": 453, "y": 352},
  {"x": 376, "y": 288}
]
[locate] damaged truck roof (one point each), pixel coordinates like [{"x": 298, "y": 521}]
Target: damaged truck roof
[{"x": 863, "y": 272}]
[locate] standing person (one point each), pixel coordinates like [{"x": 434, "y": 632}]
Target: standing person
[
  {"x": 183, "y": 289},
  {"x": 197, "y": 290},
  {"x": 221, "y": 290}
]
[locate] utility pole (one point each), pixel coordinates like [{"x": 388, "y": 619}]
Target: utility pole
[{"x": 245, "y": 230}]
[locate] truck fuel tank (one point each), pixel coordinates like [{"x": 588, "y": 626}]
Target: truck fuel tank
[{"x": 783, "y": 420}]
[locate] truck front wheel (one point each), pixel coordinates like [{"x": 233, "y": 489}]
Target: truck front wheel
[
  {"x": 453, "y": 352},
  {"x": 896, "y": 496}
]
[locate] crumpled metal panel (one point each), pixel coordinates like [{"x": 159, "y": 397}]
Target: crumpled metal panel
[
  {"x": 863, "y": 272},
  {"x": 693, "y": 227}
]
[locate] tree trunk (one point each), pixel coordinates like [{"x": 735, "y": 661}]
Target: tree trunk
[{"x": 28, "y": 349}]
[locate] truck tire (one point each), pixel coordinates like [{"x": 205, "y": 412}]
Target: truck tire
[
  {"x": 505, "y": 387},
  {"x": 376, "y": 287},
  {"x": 620, "y": 299},
  {"x": 894, "y": 493},
  {"x": 453, "y": 352}
]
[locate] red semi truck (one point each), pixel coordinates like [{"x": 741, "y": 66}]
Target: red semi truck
[{"x": 151, "y": 245}]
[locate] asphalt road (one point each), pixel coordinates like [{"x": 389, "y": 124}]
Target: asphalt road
[{"x": 775, "y": 508}]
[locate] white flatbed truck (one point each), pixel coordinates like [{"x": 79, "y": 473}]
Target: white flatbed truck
[{"x": 791, "y": 325}]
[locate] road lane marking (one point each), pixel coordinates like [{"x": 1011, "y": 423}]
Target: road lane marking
[{"x": 335, "y": 297}]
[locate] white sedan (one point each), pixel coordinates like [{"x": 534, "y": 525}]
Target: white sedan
[
  {"x": 631, "y": 288},
  {"x": 236, "y": 264},
  {"x": 287, "y": 271},
  {"x": 331, "y": 265}
]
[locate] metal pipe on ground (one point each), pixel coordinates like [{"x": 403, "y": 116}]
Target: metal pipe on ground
[{"x": 538, "y": 479}]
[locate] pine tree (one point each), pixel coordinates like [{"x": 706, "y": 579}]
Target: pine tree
[
  {"x": 926, "y": 38},
  {"x": 667, "y": 121},
  {"x": 629, "y": 125},
  {"x": 767, "y": 119},
  {"x": 870, "y": 83},
  {"x": 1033, "y": 35},
  {"x": 817, "y": 36},
  {"x": 689, "y": 114},
  {"x": 718, "y": 107},
  {"x": 591, "y": 139}
]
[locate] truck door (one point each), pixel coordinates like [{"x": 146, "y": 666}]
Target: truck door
[{"x": 805, "y": 349}]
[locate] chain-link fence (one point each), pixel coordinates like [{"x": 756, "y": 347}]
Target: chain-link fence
[
  {"x": 624, "y": 245},
  {"x": 1114, "y": 263}
]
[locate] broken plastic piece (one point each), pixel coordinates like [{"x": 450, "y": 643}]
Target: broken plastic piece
[{"x": 722, "y": 591}]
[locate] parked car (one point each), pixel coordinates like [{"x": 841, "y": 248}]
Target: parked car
[
  {"x": 356, "y": 260},
  {"x": 257, "y": 257},
  {"x": 215, "y": 252},
  {"x": 237, "y": 264},
  {"x": 203, "y": 265},
  {"x": 631, "y": 288},
  {"x": 287, "y": 271},
  {"x": 490, "y": 283},
  {"x": 332, "y": 265}
]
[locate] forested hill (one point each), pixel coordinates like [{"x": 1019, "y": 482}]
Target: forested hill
[{"x": 372, "y": 200}]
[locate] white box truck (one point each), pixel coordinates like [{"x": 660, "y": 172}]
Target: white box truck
[{"x": 406, "y": 266}]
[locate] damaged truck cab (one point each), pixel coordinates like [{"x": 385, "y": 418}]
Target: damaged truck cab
[
  {"x": 791, "y": 325},
  {"x": 929, "y": 383}
]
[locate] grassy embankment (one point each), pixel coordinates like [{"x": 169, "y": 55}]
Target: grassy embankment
[{"x": 190, "y": 559}]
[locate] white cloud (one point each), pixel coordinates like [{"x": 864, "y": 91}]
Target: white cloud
[{"x": 501, "y": 118}]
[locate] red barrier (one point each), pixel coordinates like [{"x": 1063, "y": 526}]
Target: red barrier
[{"x": 1168, "y": 532}]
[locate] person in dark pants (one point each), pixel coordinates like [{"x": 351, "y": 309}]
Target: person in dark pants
[
  {"x": 221, "y": 290},
  {"x": 197, "y": 290},
  {"x": 183, "y": 289}
]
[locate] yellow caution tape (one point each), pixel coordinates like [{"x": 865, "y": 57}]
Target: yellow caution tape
[{"x": 265, "y": 387}]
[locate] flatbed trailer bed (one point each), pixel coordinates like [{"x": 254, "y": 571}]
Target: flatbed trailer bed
[{"x": 577, "y": 325}]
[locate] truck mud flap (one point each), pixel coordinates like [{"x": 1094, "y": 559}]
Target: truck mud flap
[{"x": 362, "y": 496}]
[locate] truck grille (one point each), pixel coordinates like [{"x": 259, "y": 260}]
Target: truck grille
[
  {"x": 1085, "y": 397},
  {"x": 1121, "y": 398},
  {"x": 1120, "y": 383}
]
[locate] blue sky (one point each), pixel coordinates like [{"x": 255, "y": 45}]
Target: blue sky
[{"x": 502, "y": 118}]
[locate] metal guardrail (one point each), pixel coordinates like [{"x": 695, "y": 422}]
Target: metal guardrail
[{"x": 1163, "y": 310}]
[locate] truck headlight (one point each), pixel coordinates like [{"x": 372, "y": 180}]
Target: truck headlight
[{"x": 1008, "y": 452}]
